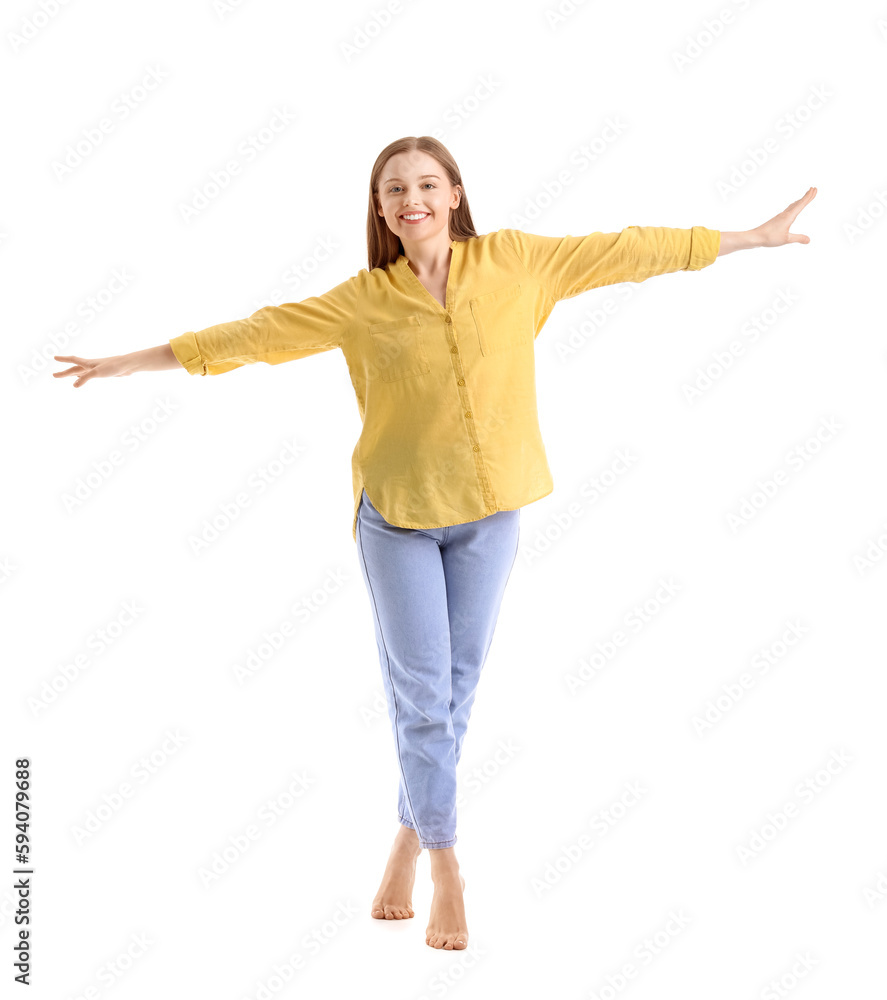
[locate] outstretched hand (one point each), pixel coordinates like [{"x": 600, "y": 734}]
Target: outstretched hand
[
  {"x": 775, "y": 232},
  {"x": 151, "y": 359},
  {"x": 88, "y": 368}
]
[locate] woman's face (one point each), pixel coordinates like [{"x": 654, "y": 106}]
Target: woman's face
[{"x": 414, "y": 184}]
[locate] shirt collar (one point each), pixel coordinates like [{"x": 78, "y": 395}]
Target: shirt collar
[{"x": 402, "y": 257}]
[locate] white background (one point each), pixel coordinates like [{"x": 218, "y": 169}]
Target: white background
[{"x": 513, "y": 93}]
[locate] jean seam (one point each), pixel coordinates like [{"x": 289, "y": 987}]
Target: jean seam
[
  {"x": 388, "y": 667},
  {"x": 438, "y": 843}
]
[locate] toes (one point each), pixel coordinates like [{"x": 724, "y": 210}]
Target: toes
[
  {"x": 449, "y": 943},
  {"x": 389, "y": 911}
]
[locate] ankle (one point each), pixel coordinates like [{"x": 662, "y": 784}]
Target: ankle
[
  {"x": 407, "y": 840},
  {"x": 446, "y": 878},
  {"x": 444, "y": 866}
]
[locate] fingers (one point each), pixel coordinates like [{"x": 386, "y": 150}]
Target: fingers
[
  {"x": 794, "y": 210},
  {"x": 804, "y": 200},
  {"x": 81, "y": 366},
  {"x": 801, "y": 203}
]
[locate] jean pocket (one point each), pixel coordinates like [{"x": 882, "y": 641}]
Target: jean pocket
[
  {"x": 502, "y": 319},
  {"x": 399, "y": 348}
]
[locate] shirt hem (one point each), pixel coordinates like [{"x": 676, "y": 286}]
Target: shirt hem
[
  {"x": 187, "y": 353},
  {"x": 705, "y": 244},
  {"x": 451, "y": 524}
]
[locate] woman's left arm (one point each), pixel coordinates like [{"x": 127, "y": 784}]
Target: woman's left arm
[{"x": 773, "y": 233}]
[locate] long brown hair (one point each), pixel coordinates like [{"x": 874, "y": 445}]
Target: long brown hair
[{"x": 383, "y": 247}]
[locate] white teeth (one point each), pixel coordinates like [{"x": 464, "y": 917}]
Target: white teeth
[{"x": 420, "y": 215}]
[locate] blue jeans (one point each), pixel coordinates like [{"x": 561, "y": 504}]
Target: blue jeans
[{"x": 435, "y": 595}]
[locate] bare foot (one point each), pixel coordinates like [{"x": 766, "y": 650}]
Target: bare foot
[
  {"x": 447, "y": 927},
  {"x": 394, "y": 900}
]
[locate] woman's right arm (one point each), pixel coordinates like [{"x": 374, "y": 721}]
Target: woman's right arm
[
  {"x": 152, "y": 359},
  {"x": 272, "y": 334}
]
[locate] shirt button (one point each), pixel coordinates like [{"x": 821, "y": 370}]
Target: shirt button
[
  {"x": 449, "y": 319},
  {"x": 454, "y": 350},
  {"x": 461, "y": 381},
  {"x": 468, "y": 413},
  {"x": 476, "y": 448}
]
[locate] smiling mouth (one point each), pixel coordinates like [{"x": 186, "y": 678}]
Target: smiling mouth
[{"x": 421, "y": 217}]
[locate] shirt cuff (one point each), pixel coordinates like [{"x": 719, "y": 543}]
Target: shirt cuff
[
  {"x": 185, "y": 349},
  {"x": 704, "y": 247}
]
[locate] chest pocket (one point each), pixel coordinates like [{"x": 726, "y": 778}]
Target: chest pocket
[
  {"x": 399, "y": 348},
  {"x": 501, "y": 318}
]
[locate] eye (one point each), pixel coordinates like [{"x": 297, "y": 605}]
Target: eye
[{"x": 426, "y": 184}]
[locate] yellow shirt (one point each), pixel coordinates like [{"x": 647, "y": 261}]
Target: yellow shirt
[{"x": 447, "y": 395}]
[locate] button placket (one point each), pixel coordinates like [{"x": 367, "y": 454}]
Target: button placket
[{"x": 471, "y": 427}]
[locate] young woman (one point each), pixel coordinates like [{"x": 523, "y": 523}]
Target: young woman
[{"x": 438, "y": 334}]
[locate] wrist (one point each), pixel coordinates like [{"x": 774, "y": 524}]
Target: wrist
[
  {"x": 755, "y": 238},
  {"x": 746, "y": 240}
]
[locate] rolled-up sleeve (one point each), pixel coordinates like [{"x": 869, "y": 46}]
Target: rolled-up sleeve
[
  {"x": 273, "y": 334},
  {"x": 569, "y": 265}
]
